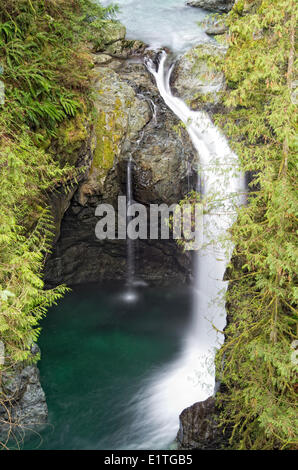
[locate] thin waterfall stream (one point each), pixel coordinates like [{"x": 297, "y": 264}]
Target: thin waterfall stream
[{"x": 130, "y": 243}]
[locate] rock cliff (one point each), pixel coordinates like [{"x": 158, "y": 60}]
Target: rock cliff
[{"x": 132, "y": 121}]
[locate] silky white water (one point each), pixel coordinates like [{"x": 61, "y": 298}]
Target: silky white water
[
  {"x": 130, "y": 245},
  {"x": 191, "y": 376},
  {"x": 162, "y": 23}
]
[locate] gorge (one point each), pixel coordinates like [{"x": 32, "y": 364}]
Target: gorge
[
  {"x": 156, "y": 161},
  {"x": 113, "y": 334}
]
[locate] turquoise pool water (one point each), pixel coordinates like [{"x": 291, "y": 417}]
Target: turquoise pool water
[{"x": 97, "y": 353}]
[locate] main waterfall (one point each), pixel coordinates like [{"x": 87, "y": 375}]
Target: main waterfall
[
  {"x": 222, "y": 189},
  {"x": 191, "y": 377}
]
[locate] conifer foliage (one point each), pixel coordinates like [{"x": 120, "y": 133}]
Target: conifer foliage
[
  {"x": 45, "y": 66},
  {"x": 258, "y": 363}
]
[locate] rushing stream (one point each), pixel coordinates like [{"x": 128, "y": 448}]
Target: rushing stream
[
  {"x": 162, "y": 23},
  {"x": 124, "y": 371},
  {"x": 191, "y": 377}
]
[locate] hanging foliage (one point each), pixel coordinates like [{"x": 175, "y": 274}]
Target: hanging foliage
[
  {"x": 257, "y": 364},
  {"x": 45, "y": 68}
]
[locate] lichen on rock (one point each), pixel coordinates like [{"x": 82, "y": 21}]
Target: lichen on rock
[
  {"x": 71, "y": 135},
  {"x": 197, "y": 81},
  {"x": 120, "y": 116}
]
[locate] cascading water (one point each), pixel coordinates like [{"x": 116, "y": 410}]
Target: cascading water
[
  {"x": 161, "y": 23},
  {"x": 191, "y": 377},
  {"x": 132, "y": 283},
  {"x": 130, "y": 293}
]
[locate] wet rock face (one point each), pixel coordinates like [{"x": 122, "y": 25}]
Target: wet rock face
[
  {"x": 222, "y": 6},
  {"x": 198, "y": 427},
  {"x": 79, "y": 257},
  {"x": 25, "y": 402},
  {"x": 60, "y": 200},
  {"x": 193, "y": 77},
  {"x": 134, "y": 123},
  {"x": 148, "y": 132}
]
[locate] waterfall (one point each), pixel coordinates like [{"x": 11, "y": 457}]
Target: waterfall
[
  {"x": 130, "y": 255},
  {"x": 191, "y": 377},
  {"x": 221, "y": 186},
  {"x": 130, "y": 294}
]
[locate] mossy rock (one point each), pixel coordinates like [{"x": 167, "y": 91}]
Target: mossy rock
[
  {"x": 71, "y": 136},
  {"x": 113, "y": 32},
  {"x": 195, "y": 78},
  {"x": 109, "y": 133},
  {"x": 120, "y": 115}
]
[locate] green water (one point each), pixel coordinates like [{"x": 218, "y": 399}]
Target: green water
[{"x": 96, "y": 354}]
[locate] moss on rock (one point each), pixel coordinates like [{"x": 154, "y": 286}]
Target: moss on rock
[
  {"x": 109, "y": 133},
  {"x": 71, "y": 136}
]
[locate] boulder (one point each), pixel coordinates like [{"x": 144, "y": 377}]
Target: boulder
[
  {"x": 217, "y": 29},
  {"x": 113, "y": 32},
  {"x": 222, "y": 6},
  {"x": 193, "y": 76},
  {"x": 198, "y": 427},
  {"x": 24, "y": 399}
]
